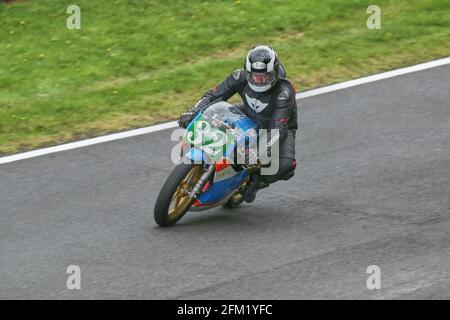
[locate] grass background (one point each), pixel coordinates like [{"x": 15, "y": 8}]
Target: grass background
[{"x": 139, "y": 62}]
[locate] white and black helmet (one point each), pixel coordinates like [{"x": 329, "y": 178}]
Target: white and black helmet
[{"x": 261, "y": 68}]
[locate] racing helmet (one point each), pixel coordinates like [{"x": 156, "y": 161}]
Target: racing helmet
[{"x": 261, "y": 66}]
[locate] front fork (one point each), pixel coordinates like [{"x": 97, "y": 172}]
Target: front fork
[{"x": 209, "y": 170}]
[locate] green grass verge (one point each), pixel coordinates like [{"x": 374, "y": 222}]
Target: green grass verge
[{"x": 138, "y": 62}]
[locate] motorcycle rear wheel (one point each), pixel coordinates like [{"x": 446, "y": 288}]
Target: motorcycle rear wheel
[{"x": 173, "y": 200}]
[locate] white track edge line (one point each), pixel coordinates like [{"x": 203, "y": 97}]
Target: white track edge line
[{"x": 173, "y": 124}]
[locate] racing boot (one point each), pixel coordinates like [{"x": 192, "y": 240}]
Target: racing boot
[{"x": 252, "y": 188}]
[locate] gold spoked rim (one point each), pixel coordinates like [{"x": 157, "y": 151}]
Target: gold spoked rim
[{"x": 181, "y": 200}]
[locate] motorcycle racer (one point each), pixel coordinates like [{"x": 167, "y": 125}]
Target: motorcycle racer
[{"x": 268, "y": 98}]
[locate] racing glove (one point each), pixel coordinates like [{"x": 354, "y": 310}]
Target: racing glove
[{"x": 186, "y": 117}]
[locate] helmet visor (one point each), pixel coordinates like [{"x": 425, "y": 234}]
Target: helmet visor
[{"x": 259, "y": 79}]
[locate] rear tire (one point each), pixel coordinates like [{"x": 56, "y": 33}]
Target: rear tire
[{"x": 169, "y": 191}]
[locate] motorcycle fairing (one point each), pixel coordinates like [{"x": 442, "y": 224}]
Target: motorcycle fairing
[{"x": 222, "y": 186}]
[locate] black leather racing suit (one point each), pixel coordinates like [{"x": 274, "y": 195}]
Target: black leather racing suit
[{"x": 273, "y": 109}]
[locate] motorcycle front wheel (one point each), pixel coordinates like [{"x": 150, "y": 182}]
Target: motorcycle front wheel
[{"x": 173, "y": 200}]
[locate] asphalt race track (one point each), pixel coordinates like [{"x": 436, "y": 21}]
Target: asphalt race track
[{"x": 372, "y": 188}]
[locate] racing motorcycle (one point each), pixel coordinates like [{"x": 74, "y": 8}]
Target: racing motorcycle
[{"x": 208, "y": 175}]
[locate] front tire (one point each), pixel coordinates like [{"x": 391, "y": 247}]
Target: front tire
[{"x": 173, "y": 200}]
